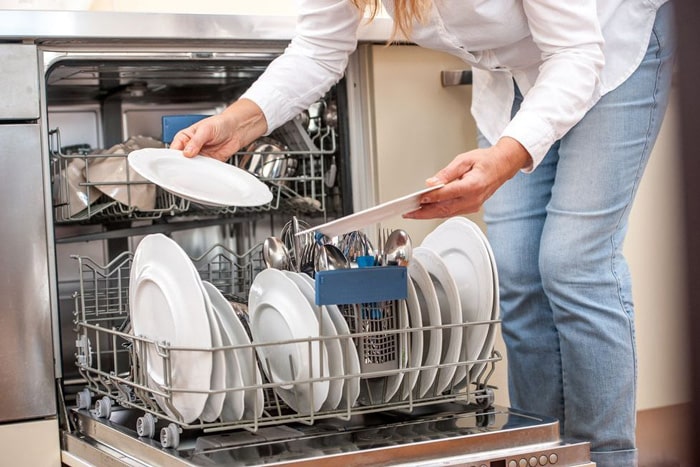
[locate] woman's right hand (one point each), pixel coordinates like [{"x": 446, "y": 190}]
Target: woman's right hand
[{"x": 220, "y": 136}]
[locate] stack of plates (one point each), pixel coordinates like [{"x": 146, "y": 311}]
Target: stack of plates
[
  {"x": 170, "y": 304},
  {"x": 304, "y": 349},
  {"x": 454, "y": 275}
]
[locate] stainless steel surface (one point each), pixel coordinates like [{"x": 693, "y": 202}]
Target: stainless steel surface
[
  {"x": 296, "y": 242},
  {"x": 397, "y": 248},
  {"x": 447, "y": 436},
  {"x": 455, "y": 77},
  {"x": 26, "y": 343},
  {"x": 82, "y": 452},
  {"x": 125, "y": 27},
  {"x": 275, "y": 254},
  {"x": 330, "y": 258},
  {"x": 20, "y": 82},
  {"x": 568, "y": 455}
]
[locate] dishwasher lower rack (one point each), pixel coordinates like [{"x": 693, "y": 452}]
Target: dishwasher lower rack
[{"x": 116, "y": 371}]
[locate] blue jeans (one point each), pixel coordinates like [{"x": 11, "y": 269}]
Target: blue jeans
[{"x": 557, "y": 234}]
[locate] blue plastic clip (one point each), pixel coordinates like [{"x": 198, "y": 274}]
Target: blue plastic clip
[{"x": 174, "y": 123}]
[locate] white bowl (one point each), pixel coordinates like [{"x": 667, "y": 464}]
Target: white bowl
[
  {"x": 113, "y": 176},
  {"x": 75, "y": 193}
]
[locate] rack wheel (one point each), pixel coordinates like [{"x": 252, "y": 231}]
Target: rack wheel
[
  {"x": 103, "y": 407},
  {"x": 83, "y": 399},
  {"x": 146, "y": 426},
  {"x": 485, "y": 419},
  {"x": 485, "y": 399},
  {"x": 170, "y": 436}
]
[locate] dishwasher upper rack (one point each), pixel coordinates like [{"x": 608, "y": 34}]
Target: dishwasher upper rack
[
  {"x": 107, "y": 356},
  {"x": 76, "y": 199}
]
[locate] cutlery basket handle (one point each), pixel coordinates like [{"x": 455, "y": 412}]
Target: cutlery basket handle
[{"x": 361, "y": 285}]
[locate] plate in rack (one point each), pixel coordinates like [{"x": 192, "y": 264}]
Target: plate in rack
[
  {"x": 430, "y": 315},
  {"x": 167, "y": 306},
  {"x": 279, "y": 313},
  {"x": 465, "y": 250},
  {"x": 450, "y": 313}
]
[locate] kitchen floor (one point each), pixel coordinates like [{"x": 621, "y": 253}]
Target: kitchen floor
[{"x": 663, "y": 437}]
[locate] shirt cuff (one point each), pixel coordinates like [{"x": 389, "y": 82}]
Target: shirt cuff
[
  {"x": 268, "y": 99},
  {"x": 535, "y": 134}
]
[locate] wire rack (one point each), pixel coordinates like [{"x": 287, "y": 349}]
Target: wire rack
[
  {"x": 81, "y": 196},
  {"x": 116, "y": 367}
]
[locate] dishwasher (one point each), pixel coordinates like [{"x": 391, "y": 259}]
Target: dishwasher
[{"x": 106, "y": 85}]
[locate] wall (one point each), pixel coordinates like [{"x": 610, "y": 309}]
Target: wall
[{"x": 654, "y": 249}]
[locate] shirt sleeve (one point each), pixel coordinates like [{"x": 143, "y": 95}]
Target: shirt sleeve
[
  {"x": 316, "y": 58},
  {"x": 568, "y": 84}
]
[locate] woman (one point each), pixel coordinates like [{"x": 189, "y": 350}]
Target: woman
[{"x": 568, "y": 99}]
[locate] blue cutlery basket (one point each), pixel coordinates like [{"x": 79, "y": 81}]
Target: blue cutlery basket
[
  {"x": 370, "y": 301},
  {"x": 174, "y": 123}
]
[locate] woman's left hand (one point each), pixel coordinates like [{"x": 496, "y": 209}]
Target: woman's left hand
[{"x": 470, "y": 179}]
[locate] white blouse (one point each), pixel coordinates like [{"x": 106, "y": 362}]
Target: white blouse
[{"x": 563, "y": 54}]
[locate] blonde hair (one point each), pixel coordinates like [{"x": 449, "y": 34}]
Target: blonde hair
[{"x": 407, "y": 12}]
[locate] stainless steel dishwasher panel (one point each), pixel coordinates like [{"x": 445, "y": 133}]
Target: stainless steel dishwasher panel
[
  {"x": 19, "y": 77},
  {"x": 26, "y": 343}
]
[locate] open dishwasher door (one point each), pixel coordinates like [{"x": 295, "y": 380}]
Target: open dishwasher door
[{"x": 446, "y": 434}]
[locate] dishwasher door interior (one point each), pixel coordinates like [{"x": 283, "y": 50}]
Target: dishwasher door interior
[{"x": 445, "y": 434}]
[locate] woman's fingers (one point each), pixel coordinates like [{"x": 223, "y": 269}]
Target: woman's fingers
[
  {"x": 180, "y": 140},
  {"x": 461, "y": 196},
  {"x": 190, "y": 140}
]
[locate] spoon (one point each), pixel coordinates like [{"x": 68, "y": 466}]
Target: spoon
[
  {"x": 355, "y": 244},
  {"x": 275, "y": 254},
  {"x": 398, "y": 248},
  {"x": 296, "y": 242},
  {"x": 330, "y": 258}
]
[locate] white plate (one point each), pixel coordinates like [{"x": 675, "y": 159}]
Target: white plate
[
  {"x": 167, "y": 305},
  {"x": 372, "y": 215},
  {"x": 430, "y": 314},
  {"x": 72, "y": 189},
  {"x": 487, "y": 349},
  {"x": 219, "y": 374},
  {"x": 352, "y": 359},
  {"x": 450, "y": 312},
  {"x": 464, "y": 249},
  {"x": 416, "y": 350},
  {"x": 237, "y": 365},
  {"x": 279, "y": 312},
  {"x": 333, "y": 347},
  {"x": 200, "y": 179}
]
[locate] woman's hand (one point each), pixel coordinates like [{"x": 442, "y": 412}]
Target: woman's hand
[
  {"x": 220, "y": 136},
  {"x": 470, "y": 179}
]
